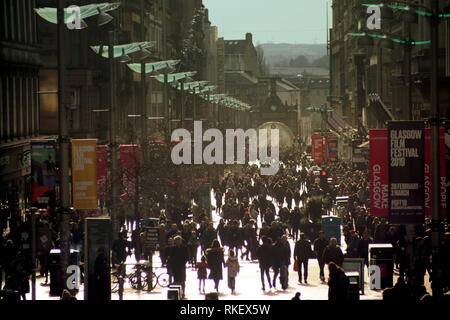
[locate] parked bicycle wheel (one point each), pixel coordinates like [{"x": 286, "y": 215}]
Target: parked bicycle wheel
[
  {"x": 114, "y": 282},
  {"x": 134, "y": 280},
  {"x": 163, "y": 280}
]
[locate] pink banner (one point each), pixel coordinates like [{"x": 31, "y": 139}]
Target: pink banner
[
  {"x": 317, "y": 148},
  {"x": 102, "y": 172},
  {"x": 428, "y": 181},
  {"x": 130, "y": 156},
  {"x": 379, "y": 171}
]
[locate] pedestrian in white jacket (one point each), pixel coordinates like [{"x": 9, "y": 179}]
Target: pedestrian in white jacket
[{"x": 233, "y": 268}]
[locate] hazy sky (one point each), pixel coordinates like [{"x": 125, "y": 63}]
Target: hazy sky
[{"x": 277, "y": 21}]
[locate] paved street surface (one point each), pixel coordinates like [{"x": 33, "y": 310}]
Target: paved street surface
[{"x": 248, "y": 284}]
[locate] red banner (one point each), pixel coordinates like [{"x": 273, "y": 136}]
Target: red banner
[
  {"x": 332, "y": 147},
  {"x": 102, "y": 171},
  {"x": 379, "y": 171},
  {"x": 317, "y": 148},
  {"x": 130, "y": 156},
  {"x": 428, "y": 181}
]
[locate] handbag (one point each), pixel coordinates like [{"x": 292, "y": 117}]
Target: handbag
[{"x": 295, "y": 265}]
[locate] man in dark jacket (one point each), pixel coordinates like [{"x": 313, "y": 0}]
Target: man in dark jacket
[
  {"x": 302, "y": 252},
  {"x": 333, "y": 253},
  {"x": 282, "y": 260},
  {"x": 265, "y": 257},
  {"x": 319, "y": 247},
  {"x": 177, "y": 258},
  {"x": 119, "y": 249}
]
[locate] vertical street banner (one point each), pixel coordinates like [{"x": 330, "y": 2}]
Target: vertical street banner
[
  {"x": 447, "y": 164},
  {"x": 97, "y": 247},
  {"x": 379, "y": 173},
  {"x": 102, "y": 171},
  {"x": 406, "y": 172},
  {"x": 43, "y": 172},
  {"x": 130, "y": 156},
  {"x": 84, "y": 174},
  {"x": 442, "y": 174},
  {"x": 332, "y": 147},
  {"x": 317, "y": 148}
]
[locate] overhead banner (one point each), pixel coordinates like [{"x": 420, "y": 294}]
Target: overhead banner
[
  {"x": 43, "y": 172},
  {"x": 317, "y": 148},
  {"x": 379, "y": 171},
  {"x": 84, "y": 174},
  {"x": 406, "y": 172},
  {"x": 102, "y": 171},
  {"x": 442, "y": 173},
  {"x": 130, "y": 156},
  {"x": 332, "y": 148}
]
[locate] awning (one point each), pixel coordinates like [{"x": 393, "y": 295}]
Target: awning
[{"x": 335, "y": 121}]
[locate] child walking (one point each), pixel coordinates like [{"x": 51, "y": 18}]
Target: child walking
[
  {"x": 202, "y": 274},
  {"x": 233, "y": 267}
]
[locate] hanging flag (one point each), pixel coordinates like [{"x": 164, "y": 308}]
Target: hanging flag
[
  {"x": 406, "y": 172},
  {"x": 43, "y": 172},
  {"x": 317, "y": 148},
  {"x": 332, "y": 148},
  {"x": 442, "y": 175},
  {"x": 130, "y": 156},
  {"x": 102, "y": 172},
  {"x": 84, "y": 174},
  {"x": 379, "y": 169}
]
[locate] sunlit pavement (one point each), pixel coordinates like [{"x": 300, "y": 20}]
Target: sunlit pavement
[{"x": 248, "y": 282}]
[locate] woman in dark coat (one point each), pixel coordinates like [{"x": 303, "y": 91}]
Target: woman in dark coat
[{"x": 216, "y": 261}]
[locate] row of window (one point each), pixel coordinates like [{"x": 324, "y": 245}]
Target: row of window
[
  {"x": 18, "y": 21},
  {"x": 19, "y": 111}
]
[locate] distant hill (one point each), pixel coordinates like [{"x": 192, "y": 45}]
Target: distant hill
[{"x": 279, "y": 52}]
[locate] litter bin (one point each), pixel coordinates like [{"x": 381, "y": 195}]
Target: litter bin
[
  {"x": 331, "y": 227},
  {"x": 175, "y": 292},
  {"x": 56, "y": 276},
  {"x": 353, "y": 287},
  {"x": 381, "y": 256}
]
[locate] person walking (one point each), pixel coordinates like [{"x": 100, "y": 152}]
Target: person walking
[
  {"x": 281, "y": 258},
  {"x": 319, "y": 247},
  {"x": 178, "y": 256},
  {"x": 337, "y": 284},
  {"x": 302, "y": 252},
  {"x": 233, "y": 269},
  {"x": 265, "y": 257},
  {"x": 333, "y": 253},
  {"x": 202, "y": 274},
  {"x": 215, "y": 260},
  {"x": 193, "y": 244}
]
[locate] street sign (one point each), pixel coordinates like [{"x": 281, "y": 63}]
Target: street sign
[{"x": 151, "y": 238}]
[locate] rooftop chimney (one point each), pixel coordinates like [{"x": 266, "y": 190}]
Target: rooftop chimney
[{"x": 249, "y": 37}]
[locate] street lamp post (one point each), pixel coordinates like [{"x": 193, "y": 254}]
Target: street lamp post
[
  {"x": 112, "y": 138},
  {"x": 64, "y": 140},
  {"x": 435, "y": 155}
]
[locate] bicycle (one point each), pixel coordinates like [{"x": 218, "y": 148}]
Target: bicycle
[{"x": 161, "y": 280}]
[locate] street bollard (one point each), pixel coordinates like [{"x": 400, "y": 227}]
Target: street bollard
[
  {"x": 121, "y": 280},
  {"x": 150, "y": 273}
]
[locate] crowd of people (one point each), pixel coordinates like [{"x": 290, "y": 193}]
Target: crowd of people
[{"x": 260, "y": 215}]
